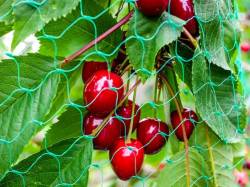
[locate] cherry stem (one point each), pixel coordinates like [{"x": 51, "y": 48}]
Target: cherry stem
[
  {"x": 128, "y": 84},
  {"x": 100, "y": 127},
  {"x": 179, "y": 111},
  {"x": 126, "y": 69},
  {"x": 190, "y": 37},
  {"x": 132, "y": 116},
  {"x": 179, "y": 107},
  {"x": 155, "y": 94},
  {"x": 159, "y": 91},
  {"x": 122, "y": 65},
  {"x": 98, "y": 39}
]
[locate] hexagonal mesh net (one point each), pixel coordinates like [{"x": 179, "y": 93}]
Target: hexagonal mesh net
[{"x": 166, "y": 64}]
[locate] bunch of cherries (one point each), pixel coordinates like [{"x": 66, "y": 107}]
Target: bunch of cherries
[{"x": 103, "y": 91}]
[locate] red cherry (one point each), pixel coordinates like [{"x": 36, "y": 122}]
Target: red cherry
[
  {"x": 241, "y": 178},
  {"x": 126, "y": 158},
  {"x": 148, "y": 133},
  {"x": 247, "y": 165},
  {"x": 103, "y": 91},
  {"x": 187, "y": 115},
  {"x": 184, "y": 9},
  {"x": 245, "y": 47},
  {"x": 126, "y": 113},
  {"x": 152, "y": 7},
  {"x": 108, "y": 134},
  {"x": 89, "y": 68}
]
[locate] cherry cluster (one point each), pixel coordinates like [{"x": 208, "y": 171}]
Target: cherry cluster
[
  {"x": 112, "y": 117},
  {"x": 103, "y": 91}
]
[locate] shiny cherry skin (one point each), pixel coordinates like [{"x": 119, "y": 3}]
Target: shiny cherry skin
[
  {"x": 184, "y": 9},
  {"x": 125, "y": 112},
  {"x": 149, "y": 134},
  {"x": 126, "y": 158},
  {"x": 108, "y": 134},
  {"x": 177, "y": 124},
  {"x": 102, "y": 92},
  {"x": 89, "y": 68},
  {"x": 245, "y": 47},
  {"x": 152, "y": 7}
]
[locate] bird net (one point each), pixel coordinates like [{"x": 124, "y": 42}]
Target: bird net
[{"x": 165, "y": 65}]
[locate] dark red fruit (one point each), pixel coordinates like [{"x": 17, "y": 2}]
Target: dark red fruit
[
  {"x": 102, "y": 92},
  {"x": 152, "y": 7},
  {"x": 188, "y": 116},
  {"x": 241, "y": 178},
  {"x": 126, "y": 158},
  {"x": 149, "y": 134},
  {"x": 126, "y": 113},
  {"x": 107, "y": 135},
  {"x": 247, "y": 165},
  {"x": 89, "y": 68},
  {"x": 245, "y": 47},
  {"x": 184, "y": 9}
]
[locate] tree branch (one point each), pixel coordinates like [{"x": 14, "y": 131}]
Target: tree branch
[{"x": 98, "y": 39}]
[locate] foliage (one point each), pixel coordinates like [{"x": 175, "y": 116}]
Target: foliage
[{"x": 36, "y": 90}]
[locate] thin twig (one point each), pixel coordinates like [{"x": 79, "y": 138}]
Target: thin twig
[
  {"x": 190, "y": 37},
  {"x": 100, "y": 127},
  {"x": 179, "y": 111},
  {"x": 132, "y": 117},
  {"x": 98, "y": 39},
  {"x": 155, "y": 95}
]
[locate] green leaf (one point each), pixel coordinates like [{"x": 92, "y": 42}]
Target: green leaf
[
  {"x": 239, "y": 149},
  {"x": 68, "y": 80},
  {"x": 156, "y": 159},
  {"x": 239, "y": 153},
  {"x": 243, "y": 6},
  {"x": 183, "y": 54},
  {"x": 146, "y": 36},
  {"x": 27, "y": 88},
  {"x": 174, "y": 173},
  {"x": 149, "y": 110},
  {"x": 31, "y": 16},
  {"x": 69, "y": 125},
  {"x": 219, "y": 35},
  {"x": 173, "y": 145},
  {"x": 75, "y": 32},
  {"x": 4, "y": 29},
  {"x": 172, "y": 81},
  {"x": 218, "y": 100},
  {"x": 232, "y": 36},
  {"x": 66, "y": 163},
  {"x": 6, "y": 11},
  {"x": 218, "y": 155}
]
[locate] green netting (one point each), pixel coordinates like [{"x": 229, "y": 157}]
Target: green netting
[{"x": 220, "y": 90}]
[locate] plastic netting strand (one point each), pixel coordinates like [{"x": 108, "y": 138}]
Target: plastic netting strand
[{"x": 48, "y": 81}]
